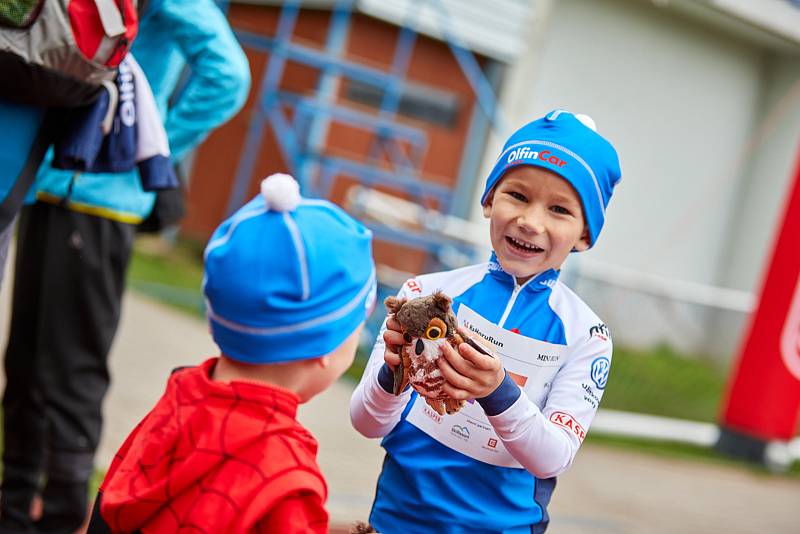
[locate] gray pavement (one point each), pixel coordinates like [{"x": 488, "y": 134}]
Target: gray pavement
[{"x": 607, "y": 490}]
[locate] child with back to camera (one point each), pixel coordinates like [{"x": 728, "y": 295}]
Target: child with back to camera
[
  {"x": 492, "y": 466},
  {"x": 288, "y": 283}
]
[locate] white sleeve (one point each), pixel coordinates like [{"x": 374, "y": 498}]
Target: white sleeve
[
  {"x": 545, "y": 441},
  {"x": 374, "y": 412}
]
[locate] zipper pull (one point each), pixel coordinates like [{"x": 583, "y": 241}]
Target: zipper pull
[{"x": 509, "y": 304}]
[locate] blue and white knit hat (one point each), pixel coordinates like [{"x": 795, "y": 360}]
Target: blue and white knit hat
[
  {"x": 569, "y": 146},
  {"x": 287, "y": 278}
]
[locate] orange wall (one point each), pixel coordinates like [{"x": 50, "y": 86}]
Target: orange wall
[{"x": 370, "y": 42}]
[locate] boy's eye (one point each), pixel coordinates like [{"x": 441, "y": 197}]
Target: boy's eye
[
  {"x": 561, "y": 210},
  {"x": 517, "y": 196}
]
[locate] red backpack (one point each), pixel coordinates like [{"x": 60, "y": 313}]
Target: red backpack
[{"x": 58, "y": 53}]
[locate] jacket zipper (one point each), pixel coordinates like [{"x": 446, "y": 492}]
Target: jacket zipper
[
  {"x": 513, "y": 298},
  {"x": 510, "y": 304}
]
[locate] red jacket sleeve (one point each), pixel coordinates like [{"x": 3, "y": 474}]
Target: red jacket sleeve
[{"x": 301, "y": 513}]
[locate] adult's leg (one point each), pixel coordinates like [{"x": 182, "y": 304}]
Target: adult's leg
[
  {"x": 84, "y": 291},
  {"x": 24, "y": 424}
]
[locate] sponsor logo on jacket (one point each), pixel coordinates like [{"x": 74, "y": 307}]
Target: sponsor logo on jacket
[
  {"x": 460, "y": 431},
  {"x": 433, "y": 415},
  {"x": 565, "y": 420},
  {"x": 488, "y": 338},
  {"x": 547, "y": 358},
  {"x": 589, "y": 396},
  {"x": 599, "y": 373},
  {"x": 601, "y": 331}
]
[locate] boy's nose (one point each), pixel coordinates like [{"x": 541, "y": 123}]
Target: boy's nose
[{"x": 532, "y": 220}]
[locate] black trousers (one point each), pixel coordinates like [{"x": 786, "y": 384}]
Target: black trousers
[{"x": 68, "y": 284}]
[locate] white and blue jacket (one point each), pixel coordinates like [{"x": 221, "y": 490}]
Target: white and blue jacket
[{"x": 495, "y": 471}]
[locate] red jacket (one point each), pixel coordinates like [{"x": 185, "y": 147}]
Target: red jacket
[{"x": 224, "y": 457}]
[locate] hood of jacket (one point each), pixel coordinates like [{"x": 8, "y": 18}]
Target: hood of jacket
[{"x": 203, "y": 437}]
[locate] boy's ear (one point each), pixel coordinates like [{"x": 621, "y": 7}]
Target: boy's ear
[
  {"x": 585, "y": 242},
  {"x": 323, "y": 361},
  {"x": 487, "y": 206}
]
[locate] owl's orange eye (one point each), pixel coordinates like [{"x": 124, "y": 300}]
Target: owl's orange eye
[{"x": 436, "y": 329}]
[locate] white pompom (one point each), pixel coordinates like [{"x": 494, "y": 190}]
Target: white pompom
[
  {"x": 587, "y": 121},
  {"x": 281, "y": 192}
]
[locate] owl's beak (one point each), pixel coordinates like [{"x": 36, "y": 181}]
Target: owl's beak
[{"x": 419, "y": 347}]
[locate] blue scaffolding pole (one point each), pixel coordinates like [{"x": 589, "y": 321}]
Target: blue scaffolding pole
[
  {"x": 255, "y": 131},
  {"x": 302, "y": 137}
]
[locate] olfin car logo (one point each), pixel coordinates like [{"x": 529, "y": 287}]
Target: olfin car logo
[
  {"x": 600, "y": 368},
  {"x": 790, "y": 336},
  {"x": 414, "y": 286},
  {"x": 526, "y": 153}
]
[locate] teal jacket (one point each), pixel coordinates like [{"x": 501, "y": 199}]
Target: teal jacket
[
  {"x": 172, "y": 34},
  {"x": 19, "y": 125}
]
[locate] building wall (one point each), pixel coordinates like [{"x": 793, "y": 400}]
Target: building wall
[
  {"x": 705, "y": 118},
  {"x": 682, "y": 102},
  {"x": 370, "y": 42},
  {"x": 216, "y": 161},
  {"x": 774, "y": 157},
  {"x": 496, "y": 29}
]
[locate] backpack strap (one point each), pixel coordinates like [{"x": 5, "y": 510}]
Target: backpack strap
[{"x": 10, "y": 205}]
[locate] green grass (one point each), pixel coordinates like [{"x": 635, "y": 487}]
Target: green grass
[
  {"x": 661, "y": 381},
  {"x": 174, "y": 277},
  {"x": 357, "y": 369},
  {"x": 95, "y": 481}
]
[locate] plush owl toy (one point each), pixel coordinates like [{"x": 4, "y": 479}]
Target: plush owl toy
[{"x": 427, "y": 323}]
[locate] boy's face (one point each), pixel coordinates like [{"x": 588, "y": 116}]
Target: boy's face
[{"x": 536, "y": 219}]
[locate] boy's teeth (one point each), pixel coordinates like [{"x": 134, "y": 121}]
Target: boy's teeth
[{"x": 524, "y": 245}]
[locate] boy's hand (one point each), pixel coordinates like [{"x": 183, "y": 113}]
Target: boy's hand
[
  {"x": 469, "y": 374},
  {"x": 393, "y": 337}
]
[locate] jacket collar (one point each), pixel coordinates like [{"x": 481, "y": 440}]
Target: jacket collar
[{"x": 540, "y": 282}]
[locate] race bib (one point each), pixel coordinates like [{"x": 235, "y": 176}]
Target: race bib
[{"x": 531, "y": 363}]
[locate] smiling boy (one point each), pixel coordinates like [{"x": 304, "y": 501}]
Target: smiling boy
[
  {"x": 491, "y": 467},
  {"x": 536, "y": 220}
]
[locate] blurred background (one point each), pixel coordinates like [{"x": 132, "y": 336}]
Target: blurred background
[{"x": 396, "y": 110}]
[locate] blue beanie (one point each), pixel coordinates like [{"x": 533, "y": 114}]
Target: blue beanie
[
  {"x": 569, "y": 146},
  {"x": 287, "y": 278}
]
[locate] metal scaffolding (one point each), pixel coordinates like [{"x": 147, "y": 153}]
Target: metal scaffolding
[{"x": 301, "y": 123}]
